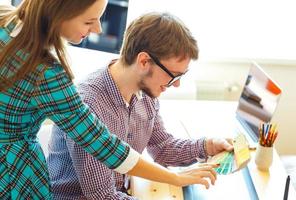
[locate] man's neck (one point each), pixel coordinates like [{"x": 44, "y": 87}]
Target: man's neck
[{"x": 125, "y": 79}]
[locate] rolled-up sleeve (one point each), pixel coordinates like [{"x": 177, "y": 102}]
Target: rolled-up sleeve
[
  {"x": 57, "y": 98},
  {"x": 170, "y": 151}
]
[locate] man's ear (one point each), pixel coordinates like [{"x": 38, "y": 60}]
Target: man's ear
[{"x": 143, "y": 64}]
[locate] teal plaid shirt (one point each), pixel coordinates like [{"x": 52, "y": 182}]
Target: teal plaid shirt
[{"x": 23, "y": 108}]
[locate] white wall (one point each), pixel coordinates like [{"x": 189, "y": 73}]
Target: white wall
[
  {"x": 8, "y": 2},
  {"x": 233, "y": 28}
]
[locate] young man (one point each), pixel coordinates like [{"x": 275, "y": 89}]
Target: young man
[{"x": 156, "y": 52}]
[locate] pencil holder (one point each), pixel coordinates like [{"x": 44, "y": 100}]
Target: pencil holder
[{"x": 263, "y": 157}]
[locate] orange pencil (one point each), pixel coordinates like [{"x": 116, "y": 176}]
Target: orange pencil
[
  {"x": 275, "y": 135},
  {"x": 269, "y": 137}
]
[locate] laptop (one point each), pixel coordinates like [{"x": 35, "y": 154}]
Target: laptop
[{"x": 257, "y": 103}]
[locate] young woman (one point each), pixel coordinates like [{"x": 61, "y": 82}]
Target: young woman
[{"x": 35, "y": 84}]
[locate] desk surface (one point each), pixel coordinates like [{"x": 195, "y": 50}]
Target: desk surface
[{"x": 193, "y": 119}]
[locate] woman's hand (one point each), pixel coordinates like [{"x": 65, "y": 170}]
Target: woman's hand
[{"x": 197, "y": 174}]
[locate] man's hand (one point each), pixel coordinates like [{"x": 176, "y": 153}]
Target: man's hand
[{"x": 217, "y": 145}]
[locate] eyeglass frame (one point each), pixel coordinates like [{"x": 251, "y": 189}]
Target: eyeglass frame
[{"x": 164, "y": 68}]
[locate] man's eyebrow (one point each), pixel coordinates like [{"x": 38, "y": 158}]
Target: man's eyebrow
[
  {"x": 93, "y": 19},
  {"x": 178, "y": 73}
]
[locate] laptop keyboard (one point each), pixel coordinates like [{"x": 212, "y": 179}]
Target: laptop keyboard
[{"x": 251, "y": 130}]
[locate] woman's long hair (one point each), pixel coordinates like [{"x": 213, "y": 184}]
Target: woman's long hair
[{"x": 40, "y": 34}]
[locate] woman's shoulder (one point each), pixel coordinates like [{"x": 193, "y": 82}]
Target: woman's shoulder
[
  {"x": 53, "y": 70},
  {"x": 53, "y": 77}
]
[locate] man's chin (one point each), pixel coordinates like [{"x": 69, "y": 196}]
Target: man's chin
[
  {"x": 150, "y": 94},
  {"x": 153, "y": 96}
]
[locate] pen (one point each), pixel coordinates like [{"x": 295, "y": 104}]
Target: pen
[{"x": 287, "y": 188}]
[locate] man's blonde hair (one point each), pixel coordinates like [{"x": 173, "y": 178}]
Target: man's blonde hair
[{"x": 160, "y": 34}]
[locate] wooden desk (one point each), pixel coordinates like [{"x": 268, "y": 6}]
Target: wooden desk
[{"x": 214, "y": 118}]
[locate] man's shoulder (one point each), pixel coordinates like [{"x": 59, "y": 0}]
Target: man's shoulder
[
  {"x": 94, "y": 79},
  {"x": 93, "y": 85}
]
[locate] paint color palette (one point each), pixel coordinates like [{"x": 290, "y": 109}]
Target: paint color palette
[
  {"x": 225, "y": 159},
  {"x": 233, "y": 161}
]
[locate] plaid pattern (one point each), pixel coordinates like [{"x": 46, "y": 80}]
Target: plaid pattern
[
  {"x": 23, "y": 107},
  {"x": 76, "y": 175}
]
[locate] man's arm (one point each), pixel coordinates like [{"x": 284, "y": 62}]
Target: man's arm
[{"x": 169, "y": 151}]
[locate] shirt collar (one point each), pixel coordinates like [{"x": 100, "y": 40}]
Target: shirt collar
[
  {"x": 113, "y": 91},
  {"x": 135, "y": 98}
]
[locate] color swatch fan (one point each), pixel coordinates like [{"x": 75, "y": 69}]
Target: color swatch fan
[{"x": 233, "y": 161}]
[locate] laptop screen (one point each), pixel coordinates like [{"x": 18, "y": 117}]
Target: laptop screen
[{"x": 259, "y": 99}]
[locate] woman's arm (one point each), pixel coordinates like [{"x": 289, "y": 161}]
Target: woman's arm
[{"x": 152, "y": 171}]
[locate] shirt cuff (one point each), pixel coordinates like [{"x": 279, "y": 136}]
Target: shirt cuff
[
  {"x": 129, "y": 163},
  {"x": 199, "y": 150}
]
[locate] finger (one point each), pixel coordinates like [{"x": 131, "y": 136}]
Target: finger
[
  {"x": 199, "y": 170},
  {"x": 207, "y": 168},
  {"x": 204, "y": 182},
  {"x": 227, "y": 145},
  {"x": 207, "y": 174},
  {"x": 229, "y": 140},
  {"x": 213, "y": 172},
  {"x": 202, "y": 164},
  {"x": 204, "y": 172},
  {"x": 213, "y": 165}
]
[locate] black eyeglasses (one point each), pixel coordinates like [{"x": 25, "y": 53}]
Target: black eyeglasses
[{"x": 174, "y": 78}]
